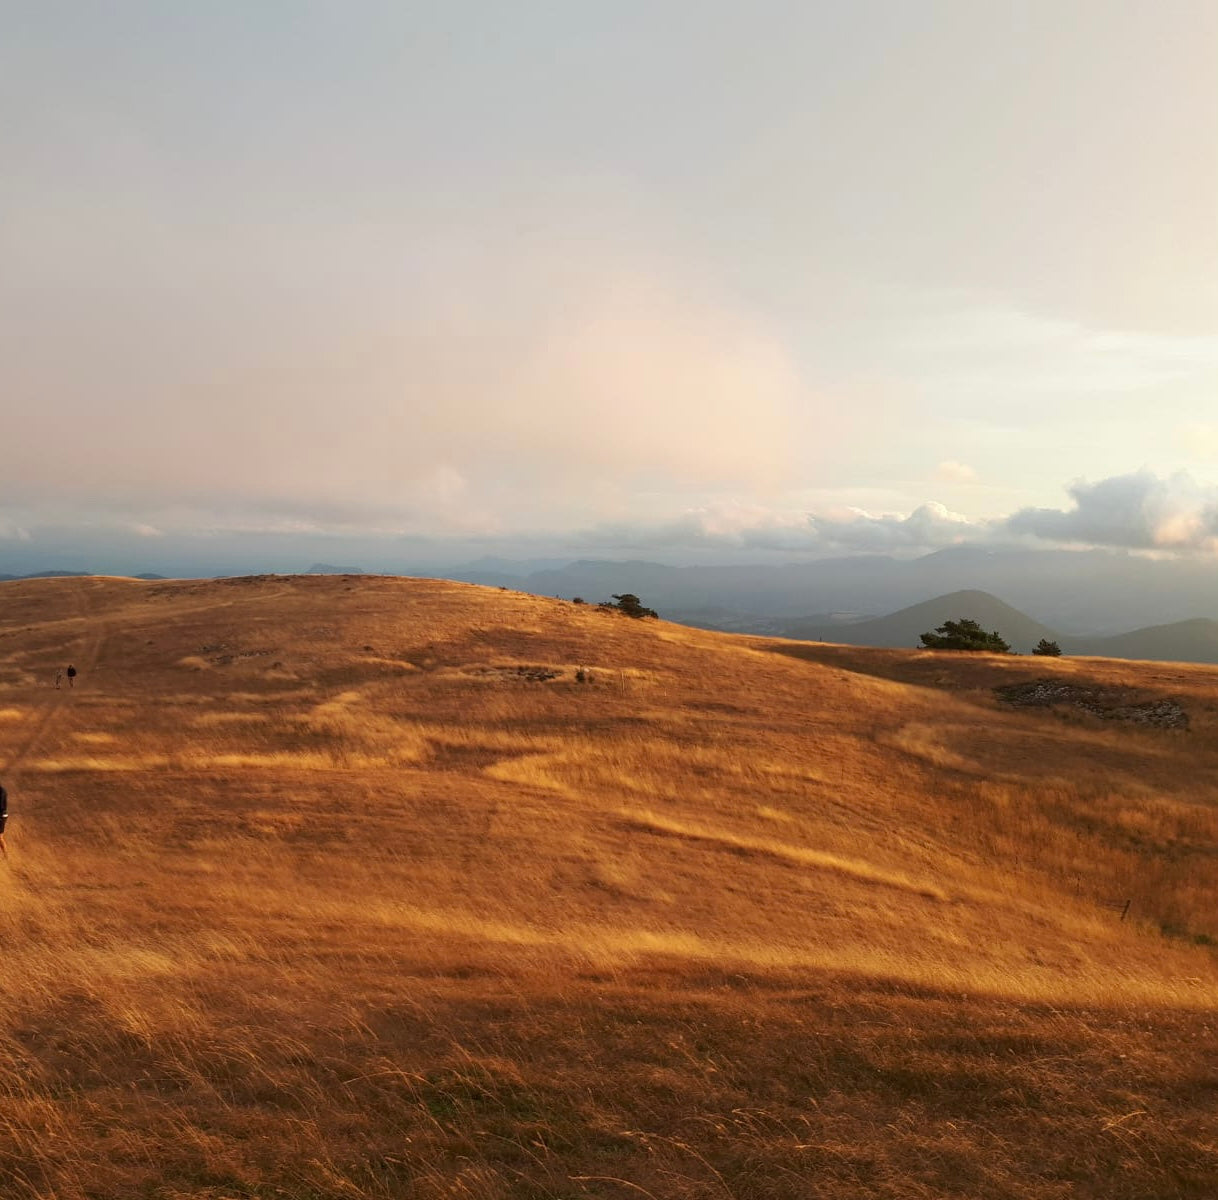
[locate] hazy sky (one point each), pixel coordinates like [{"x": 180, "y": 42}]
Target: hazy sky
[{"x": 814, "y": 277}]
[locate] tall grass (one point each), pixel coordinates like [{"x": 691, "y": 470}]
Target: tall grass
[{"x": 318, "y": 920}]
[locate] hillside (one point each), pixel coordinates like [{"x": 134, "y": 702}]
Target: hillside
[
  {"x": 1181, "y": 641},
  {"x": 348, "y": 887},
  {"x": 903, "y": 628}
]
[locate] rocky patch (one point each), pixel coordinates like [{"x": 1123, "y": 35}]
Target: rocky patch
[
  {"x": 521, "y": 674},
  {"x": 1110, "y": 704}
]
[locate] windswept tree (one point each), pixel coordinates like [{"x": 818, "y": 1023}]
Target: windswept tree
[
  {"x": 1047, "y": 649},
  {"x": 964, "y": 635},
  {"x": 632, "y": 606}
]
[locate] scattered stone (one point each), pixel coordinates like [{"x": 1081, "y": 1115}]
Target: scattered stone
[
  {"x": 1109, "y": 704},
  {"x": 523, "y": 674},
  {"x": 536, "y": 674},
  {"x": 223, "y": 660}
]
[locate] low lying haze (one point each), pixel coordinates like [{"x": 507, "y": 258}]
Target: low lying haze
[{"x": 668, "y": 280}]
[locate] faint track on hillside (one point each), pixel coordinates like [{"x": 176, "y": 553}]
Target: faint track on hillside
[
  {"x": 60, "y": 697},
  {"x": 12, "y": 767}
]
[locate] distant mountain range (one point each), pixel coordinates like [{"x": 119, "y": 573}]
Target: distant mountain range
[
  {"x": 1093, "y": 592},
  {"x": 1096, "y": 602},
  {"x": 1180, "y": 641},
  {"x": 45, "y": 575},
  {"x": 147, "y": 575},
  {"x": 1194, "y": 640}
]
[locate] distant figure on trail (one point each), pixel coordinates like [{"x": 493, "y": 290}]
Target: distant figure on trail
[
  {"x": 3, "y": 819},
  {"x": 58, "y": 677},
  {"x": 71, "y": 675}
]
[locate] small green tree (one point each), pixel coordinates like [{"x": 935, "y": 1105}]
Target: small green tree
[
  {"x": 964, "y": 635},
  {"x": 632, "y": 606},
  {"x": 1047, "y": 649}
]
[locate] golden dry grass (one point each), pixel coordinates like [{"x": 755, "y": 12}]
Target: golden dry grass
[{"x": 312, "y": 892}]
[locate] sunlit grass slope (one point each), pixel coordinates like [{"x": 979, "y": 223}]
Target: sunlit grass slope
[{"x": 349, "y": 887}]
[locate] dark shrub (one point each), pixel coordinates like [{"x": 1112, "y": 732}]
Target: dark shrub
[{"x": 964, "y": 635}]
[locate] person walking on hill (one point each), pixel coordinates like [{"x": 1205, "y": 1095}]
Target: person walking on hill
[
  {"x": 3, "y": 819},
  {"x": 71, "y": 672},
  {"x": 58, "y": 678}
]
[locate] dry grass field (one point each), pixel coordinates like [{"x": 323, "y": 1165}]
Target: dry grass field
[{"x": 313, "y": 892}]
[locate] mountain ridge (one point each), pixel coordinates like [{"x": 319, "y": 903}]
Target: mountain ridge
[{"x": 1192, "y": 640}]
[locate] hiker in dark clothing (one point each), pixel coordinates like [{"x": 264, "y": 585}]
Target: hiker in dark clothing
[
  {"x": 3, "y": 819},
  {"x": 71, "y": 673}
]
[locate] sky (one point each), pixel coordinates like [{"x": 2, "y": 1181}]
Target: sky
[{"x": 665, "y": 279}]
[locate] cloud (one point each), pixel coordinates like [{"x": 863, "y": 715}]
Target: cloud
[
  {"x": 955, "y": 341},
  {"x": 838, "y": 530},
  {"x": 955, "y": 472},
  {"x": 458, "y": 381},
  {"x": 1197, "y": 440},
  {"x": 10, "y": 531},
  {"x": 1139, "y": 511},
  {"x": 929, "y": 526}
]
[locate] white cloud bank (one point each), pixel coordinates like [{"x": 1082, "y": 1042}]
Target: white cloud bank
[
  {"x": 1139, "y": 511},
  {"x": 841, "y": 530}
]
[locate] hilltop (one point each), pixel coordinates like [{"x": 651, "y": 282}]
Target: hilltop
[
  {"x": 327, "y": 886},
  {"x": 903, "y": 628}
]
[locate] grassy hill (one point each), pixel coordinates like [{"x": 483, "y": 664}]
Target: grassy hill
[
  {"x": 325, "y": 887},
  {"x": 903, "y": 628},
  {"x": 1181, "y": 641}
]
